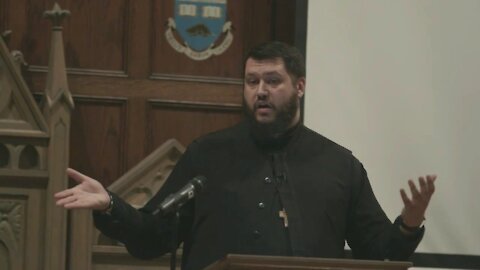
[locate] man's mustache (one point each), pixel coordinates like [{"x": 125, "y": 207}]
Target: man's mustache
[{"x": 263, "y": 104}]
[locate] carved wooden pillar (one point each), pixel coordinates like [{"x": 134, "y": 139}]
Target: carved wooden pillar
[{"x": 57, "y": 110}]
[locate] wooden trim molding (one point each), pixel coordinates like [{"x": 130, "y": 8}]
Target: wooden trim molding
[
  {"x": 194, "y": 105},
  {"x": 100, "y": 99},
  {"x": 23, "y": 178},
  {"x": 82, "y": 71},
  {"x": 188, "y": 78}
]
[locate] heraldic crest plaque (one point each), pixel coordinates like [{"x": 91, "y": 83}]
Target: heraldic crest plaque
[{"x": 200, "y": 23}]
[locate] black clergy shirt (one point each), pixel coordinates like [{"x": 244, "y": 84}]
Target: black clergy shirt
[{"x": 322, "y": 187}]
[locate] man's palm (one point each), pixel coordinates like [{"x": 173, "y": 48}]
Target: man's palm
[{"x": 89, "y": 193}]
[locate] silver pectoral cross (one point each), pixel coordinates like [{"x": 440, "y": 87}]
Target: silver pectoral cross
[{"x": 283, "y": 215}]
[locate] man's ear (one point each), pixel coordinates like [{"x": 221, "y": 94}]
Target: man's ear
[{"x": 300, "y": 86}]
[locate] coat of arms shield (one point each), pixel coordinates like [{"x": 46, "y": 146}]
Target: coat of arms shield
[{"x": 199, "y": 23}]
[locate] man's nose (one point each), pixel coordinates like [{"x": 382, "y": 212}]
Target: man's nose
[{"x": 262, "y": 91}]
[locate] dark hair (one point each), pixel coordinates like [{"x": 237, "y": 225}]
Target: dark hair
[{"x": 291, "y": 56}]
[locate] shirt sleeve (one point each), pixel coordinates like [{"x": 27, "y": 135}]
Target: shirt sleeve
[
  {"x": 370, "y": 233},
  {"x": 145, "y": 235}
]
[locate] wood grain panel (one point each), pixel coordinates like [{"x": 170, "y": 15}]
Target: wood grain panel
[
  {"x": 3, "y": 15},
  {"x": 283, "y": 27},
  {"x": 98, "y": 137},
  {"x": 228, "y": 65},
  {"x": 90, "y": 43},
  {"x": 186, "y": 121},
  {"x": 257, "y": 23},
  {"x": 18, "y": 26},
  {"x": 139, "y": 29}
]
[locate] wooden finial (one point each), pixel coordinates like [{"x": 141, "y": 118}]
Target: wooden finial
[{"x": 56, "y": 15}]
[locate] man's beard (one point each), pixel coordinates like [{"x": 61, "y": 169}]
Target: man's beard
[{"x": 284, "y": 116}]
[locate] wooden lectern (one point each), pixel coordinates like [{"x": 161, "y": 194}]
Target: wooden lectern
[{"x": 251, "y": 262}]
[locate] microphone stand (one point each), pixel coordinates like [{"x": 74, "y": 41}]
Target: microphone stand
[{"x": 173, "y": 254}]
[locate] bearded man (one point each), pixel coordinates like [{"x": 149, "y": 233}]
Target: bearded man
[{"x": 274, "y": 187}]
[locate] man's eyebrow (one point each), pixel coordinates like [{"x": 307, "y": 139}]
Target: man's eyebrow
[
  {"x": 272, "y": 73},
  {"x": 261, "y": 74}
]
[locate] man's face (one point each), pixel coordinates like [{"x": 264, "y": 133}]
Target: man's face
[{"x": 270, "y": 95}]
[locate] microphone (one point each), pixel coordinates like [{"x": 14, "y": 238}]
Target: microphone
[{"x": 176, "y": 200}]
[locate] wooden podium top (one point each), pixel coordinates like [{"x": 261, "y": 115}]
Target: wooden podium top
[{"x": 244, "y": 262}]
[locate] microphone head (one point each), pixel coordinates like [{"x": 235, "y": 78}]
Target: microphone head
[{"x": 198, "y": 182}]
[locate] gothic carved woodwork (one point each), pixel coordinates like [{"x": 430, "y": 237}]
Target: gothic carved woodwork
[
  {"x": 34, "y": 157},
  {"x": 12, "y": 232}
]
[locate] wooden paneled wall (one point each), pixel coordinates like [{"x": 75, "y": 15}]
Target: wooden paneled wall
[{"x": 132, "y": 91}]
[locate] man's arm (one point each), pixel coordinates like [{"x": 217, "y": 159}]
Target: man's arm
[
  {"x": 115, "y": 218},
  {"x": 370, "y": 234},
  {"x": 145, "y": 235}
]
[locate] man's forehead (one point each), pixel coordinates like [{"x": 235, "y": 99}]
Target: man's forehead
[{"x": 264, "y": 65}]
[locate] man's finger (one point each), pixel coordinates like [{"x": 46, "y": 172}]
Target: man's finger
[
  {"x": 423, "y": 185},
  {"x": 413, "y": 189},
  {"x": 66, "y": 200},
  {"x": 77, "y": 176},
  {"x": 63, "y": 193},
  {"x": 405, "y": 199},
  {"x": 431, "y": 183}
]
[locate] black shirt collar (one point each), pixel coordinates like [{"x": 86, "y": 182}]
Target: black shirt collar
[{"x": 275, "y": 143}]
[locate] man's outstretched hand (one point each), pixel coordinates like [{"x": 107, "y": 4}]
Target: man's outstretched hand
[
  {"x": 413, "y": 212},
  {"x": 88, "y": 193}
]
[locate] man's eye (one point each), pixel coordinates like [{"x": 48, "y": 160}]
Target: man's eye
[
  {"x": 273, "y": 81},
  {"x": 251, "y": 81}
]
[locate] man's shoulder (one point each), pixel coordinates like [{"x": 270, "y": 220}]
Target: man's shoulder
[
  {"x": 319, "y": 141},
  {"x": 335, "y": 157},
  {"x": 223, "y": 136}
]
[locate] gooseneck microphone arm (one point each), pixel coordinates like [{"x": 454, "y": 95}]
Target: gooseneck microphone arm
[{"x": 176, "y": 200}]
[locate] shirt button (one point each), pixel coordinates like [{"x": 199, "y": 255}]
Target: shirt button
[
  {"x": 256, "y": 234},
  {"x": 267, "y": 180},
  {"x": 261, "y": 205}
]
